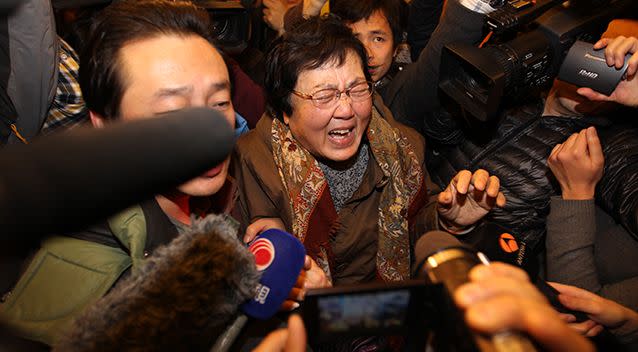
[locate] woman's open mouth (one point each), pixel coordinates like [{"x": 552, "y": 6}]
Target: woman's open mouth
[{"x": 341, "y": 136}]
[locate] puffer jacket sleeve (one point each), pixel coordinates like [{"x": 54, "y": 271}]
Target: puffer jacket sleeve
[{"x": 617, "y": 191}]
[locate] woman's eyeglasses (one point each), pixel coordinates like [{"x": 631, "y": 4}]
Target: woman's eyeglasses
[{"x": 327, "y": 98}]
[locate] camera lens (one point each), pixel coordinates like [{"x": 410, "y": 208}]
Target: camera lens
[{"x": 472, "y": 84}]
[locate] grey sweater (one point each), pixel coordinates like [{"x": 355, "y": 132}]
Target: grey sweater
[{"x": 588, "y": 249}]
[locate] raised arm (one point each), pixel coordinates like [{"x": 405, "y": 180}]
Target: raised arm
[{"x": 413, "y": 94}]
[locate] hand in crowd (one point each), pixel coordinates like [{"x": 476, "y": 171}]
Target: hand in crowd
[
  {"x": 578, "y": 164},
  {"x": 468, "y": 198},
  {"x": 311, "y": 276},
  {"x": 315, "y": 277},
  {"x": 312, "y": 7},
  {"x": 626, "y": 93},
  {"x": 500, "y": 297},
  {"x": 260, "y": 225},
  {"x": 290, "y": 339},
  {"x": 275, "y": 11},
  {"x": 603, "y": 313}
]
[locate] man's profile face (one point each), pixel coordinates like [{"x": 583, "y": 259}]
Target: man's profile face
[{"x": 170, "y": 72}]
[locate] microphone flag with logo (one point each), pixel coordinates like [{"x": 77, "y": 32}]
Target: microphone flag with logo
[{"x": 279, "y": 257}]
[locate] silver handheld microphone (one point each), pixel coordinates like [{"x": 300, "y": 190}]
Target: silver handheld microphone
[{"x": 442, "y": 259}]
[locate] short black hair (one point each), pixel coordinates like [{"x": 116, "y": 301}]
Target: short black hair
[
  {"x": 395, "y": 11},
  {"x": 124, "y": 22},
  {"x": 308, "y": 46}
]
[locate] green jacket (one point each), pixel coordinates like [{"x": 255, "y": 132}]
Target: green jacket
[{"x": 68, "y": 274}]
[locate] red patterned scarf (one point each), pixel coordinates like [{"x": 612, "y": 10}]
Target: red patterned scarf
[{"x": 314, "y": 216}]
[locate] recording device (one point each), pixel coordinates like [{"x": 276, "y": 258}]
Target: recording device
[
  {"x": 60, "y": 183},
  {"x": 417, "y": 309},
  {"x": 509, "y": 14},
  {"x": 586, "y": 67},
  {"x": 442, "y": 259},
  {"x": 181, "y": 299},
  {"x": 526, "y": 55},
  {"x": 279, "y": 257},
  {"x": 193, "y": 292},
  {"x": 375, "y": 309},
  {"x": 231, "y": 24}
]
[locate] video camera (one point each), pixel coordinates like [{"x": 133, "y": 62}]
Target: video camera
[
  {"x": 231, "y": 23},
  {"x": 531, "y": 42},
  {"x": 417, "y": 311},
  {"x": 230, "y": 19}
]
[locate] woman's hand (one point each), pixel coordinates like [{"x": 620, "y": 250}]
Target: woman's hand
[
  {"x": 260, "y": 225},
  {"x": 578, "y": 164},
  {"x": 311, "y": 276},
  {"x": 626, "y": 93},
  {"x": 468, "y": 198},
  {"x": 315, "y": 277},
  {"x": 296, "y": 294}
]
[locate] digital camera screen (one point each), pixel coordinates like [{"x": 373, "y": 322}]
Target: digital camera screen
[
  {"x": 373, "y": 309},
  {"x": 364, "y": 312}
]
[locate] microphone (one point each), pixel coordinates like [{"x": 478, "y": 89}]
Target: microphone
[
  {"x": 279, "y": 257},
  {"x": 68, "y": 181},
  {"x": 442, "y": 259},
  {"x": 181, "y": 299}
]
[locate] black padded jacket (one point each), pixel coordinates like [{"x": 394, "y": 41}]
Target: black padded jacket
[
  {"x": 516, "y": 147},
  {"x": 517, "y": 151}
]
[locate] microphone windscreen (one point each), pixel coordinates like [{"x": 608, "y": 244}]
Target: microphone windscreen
[
  {"x": 432, "y": 242},
  {"x": 181, "y": 299},
  {"x": 279, "y": 257},
  {"x": 64, "y": 182}
]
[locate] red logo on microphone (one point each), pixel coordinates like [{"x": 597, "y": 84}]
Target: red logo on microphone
[{"x": 264, "y": 253}]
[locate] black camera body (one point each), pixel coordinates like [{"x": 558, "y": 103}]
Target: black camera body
[
  {"x": 231, "y": 24},
  {"x": 480, "y": 79},
  {"x": 420, "y": 312}
]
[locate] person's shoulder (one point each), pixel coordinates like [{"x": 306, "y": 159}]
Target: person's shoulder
[
  {"x": 255, "y": 147},
  {"x": 258, "y": 138},
  {"x": 414, "y": 138}
]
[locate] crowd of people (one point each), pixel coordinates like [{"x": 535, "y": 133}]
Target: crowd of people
[{"x": 355, "y": 155}]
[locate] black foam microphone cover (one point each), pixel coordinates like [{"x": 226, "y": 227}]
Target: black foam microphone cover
[
  {"x": 181, "y": 299},
  {"x": 64, "y": 182}
]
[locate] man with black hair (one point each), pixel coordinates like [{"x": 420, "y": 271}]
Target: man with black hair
[{"x": 142, "y": 59}]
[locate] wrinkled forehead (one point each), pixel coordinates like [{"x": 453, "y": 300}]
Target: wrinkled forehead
[
  {"x": 168, "y": 56},
  {"x": 351, "y": 65}
]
